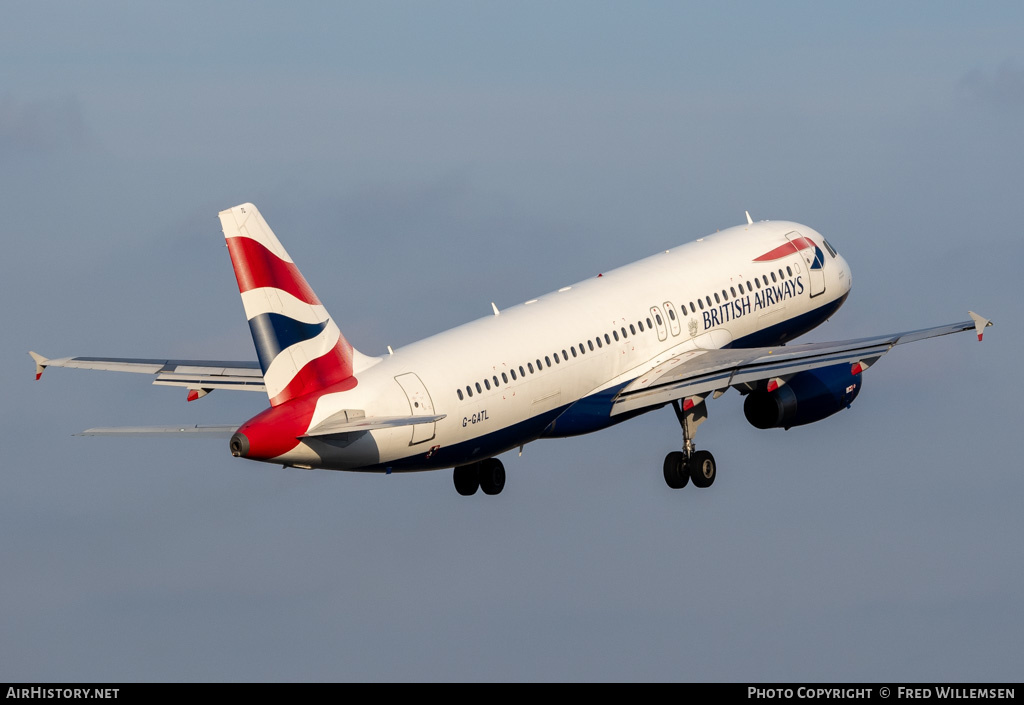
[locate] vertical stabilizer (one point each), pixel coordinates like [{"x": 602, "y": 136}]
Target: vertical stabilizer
[{"x": 300, "y": 348}]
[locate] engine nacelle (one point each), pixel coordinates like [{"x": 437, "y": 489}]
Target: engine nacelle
[{"x": 807, "y": 397}]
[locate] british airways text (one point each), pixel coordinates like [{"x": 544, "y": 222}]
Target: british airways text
[{"x": 768, "y": 296}]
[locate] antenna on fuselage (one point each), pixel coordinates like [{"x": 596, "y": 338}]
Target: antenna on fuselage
[{"x": 750, "y": 221}]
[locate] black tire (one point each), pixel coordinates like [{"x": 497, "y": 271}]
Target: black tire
[
  {"x": 703, "y": 469},
  {"x": 492, "y": 476},
  {"x": 676, "y": 476},
  {"x": 467, "y": 479}
]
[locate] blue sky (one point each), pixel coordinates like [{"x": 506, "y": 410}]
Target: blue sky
[{"x": 420, "y": 160}]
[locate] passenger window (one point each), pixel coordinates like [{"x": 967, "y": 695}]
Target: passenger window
[
  {"x": 565, "y": 355},
  {"x": 640, "y": 325},
  {"x": 789, "y": 271},
  {"x": 529, "y": 366},
  {"x": 672, "y": 314},
  {"x": 555, "y": 355},
  {"x": 749, "y": 288},
  {"x": 583, "y": 350},
  {"x": 632, "y": 328},
  {"x": 615, "y": 333},
  {"x": 649, "y": 323},
  {"x": 573, "y": 351},
  {"x": 740, "y": 285},
  {"x": 717, "y": 300},
  {"x": 693, "y": 309},
  {"x": 758, "y": 282},
  {"x": 623, "y": 329},
  {"x": 658, "y": 319},
  {"x": 765, "y": 279},
  {"x": 773, "y": 277},
  {"x": 478, "y": 390},
  {"x": 487, "y": 383},
  {"x": 701, "y": 304},
  {"x": 733, "y": 290},
  {"x": 598, "y": 339},
  {"x": 590, "y": 344},
  {"x": 547, "y": 360},
  {"x": 495, "y": 378},
  {"x": 513, "y": 373},
  {"x": 469, "y": 391},
  {"x": 607, "y": 339},
  {"x": 459, "y": 392},
  {"x": 781, "y": 275},
  {"x": 504, "y": 378},
  {"x": 522, "y": 372}
]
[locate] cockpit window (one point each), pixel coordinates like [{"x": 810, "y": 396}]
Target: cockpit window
[{"x": 828, "y": 247}]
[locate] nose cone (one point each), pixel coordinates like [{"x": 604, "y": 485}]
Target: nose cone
[
  {"x": 845, "y": 277},
  {"x": 239, "y": 445}
]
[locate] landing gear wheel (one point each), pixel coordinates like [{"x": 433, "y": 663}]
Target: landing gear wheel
[
  {"x": 492, "y": 476},
  {"x": 676, "y": 475},
  {"x": 467, "y": 479},
  {"x": 702, "y": 468}
]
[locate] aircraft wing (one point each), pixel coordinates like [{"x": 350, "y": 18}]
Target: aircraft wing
[
  {"x": 697, "y": 373},
  {"x": 199, "y": 376}
]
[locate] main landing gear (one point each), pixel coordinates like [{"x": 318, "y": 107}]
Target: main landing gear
[
  {"x": 699, "y": 467},
  {"x": 689, "y": 464},
  {"x": 487, "y": 475}
]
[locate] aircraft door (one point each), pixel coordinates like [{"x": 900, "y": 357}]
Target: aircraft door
[
  {"x": 419, "y": 405},
  {"x": 814, "y": 261},
  {"x": 659, "y": 322},
  {"x": 673, "y": 320}
]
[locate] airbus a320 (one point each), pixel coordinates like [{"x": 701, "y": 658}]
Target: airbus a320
[{"x": 676, "y": 329}]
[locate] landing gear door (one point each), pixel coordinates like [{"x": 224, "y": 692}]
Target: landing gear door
[
  {"x": 813, "y": 261},
  {"x": 419, "y": 405}
]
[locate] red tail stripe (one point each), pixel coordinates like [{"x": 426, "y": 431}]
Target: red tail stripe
[
  {"x": 328, "y": 369},
  {"x": 789, "y": 248},
  {"x": 257, "y": 267}
]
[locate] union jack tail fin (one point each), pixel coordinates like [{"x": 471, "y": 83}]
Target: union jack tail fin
[{"x": 300, "y": 348}]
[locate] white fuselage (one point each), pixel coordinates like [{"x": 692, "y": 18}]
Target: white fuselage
[{"x": 551, "y": 366}]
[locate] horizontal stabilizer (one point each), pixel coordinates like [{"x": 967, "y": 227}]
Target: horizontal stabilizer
[
  {"x": 207, "y": 431},
  {"x": 339, "y": 423}
]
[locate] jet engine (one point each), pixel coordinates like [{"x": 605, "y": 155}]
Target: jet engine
[{"x": 807, "y": 397}]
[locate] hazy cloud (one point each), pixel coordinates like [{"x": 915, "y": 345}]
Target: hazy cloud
[
  {"x": 1002, "y": 88},
  {"x": 34, "y": 127}
]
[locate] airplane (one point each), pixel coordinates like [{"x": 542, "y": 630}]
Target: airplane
[{"x": 672, "y": 329}]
